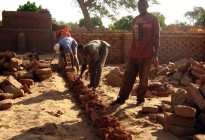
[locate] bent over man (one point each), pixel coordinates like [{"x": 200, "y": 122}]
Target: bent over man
[{"x": 93, "y": 54}]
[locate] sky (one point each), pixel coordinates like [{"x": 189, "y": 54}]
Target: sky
[{"x": 67, "y": 11}]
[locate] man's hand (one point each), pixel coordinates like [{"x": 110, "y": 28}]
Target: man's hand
[{"x": 155, "y": 61}]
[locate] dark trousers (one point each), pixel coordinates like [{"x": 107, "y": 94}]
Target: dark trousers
[
  {"x": 134, "y": 67},
  {"x": 95, "y": 68}
]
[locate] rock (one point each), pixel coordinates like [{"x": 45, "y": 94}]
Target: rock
[
  {"x": 185, "y": 111},
  {"x": 173, "y": 119},
  {"x": 197, "y": 96},
  {"x": 149, "y": 108},
  {"x": 5, "y": 104}
]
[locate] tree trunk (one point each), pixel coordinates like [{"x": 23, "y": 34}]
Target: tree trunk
[{"x": 88, "y": 23}]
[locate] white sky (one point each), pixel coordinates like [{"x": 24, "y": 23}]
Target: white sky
[{"x": 65, "y": 10}]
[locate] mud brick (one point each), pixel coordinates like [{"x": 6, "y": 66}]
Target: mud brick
[
  {"x": 174, "y": 83},
  {"x": 173, "y": 119},
  {"x": 117, "y": 72},
  {"x": 196, "y": 74},
  {"x": 33, "y": 66},
  {"x": 26, "y": 63},
  {"x": 26, "y": 89},
  {"x": 149, "y": 108},
  {"x": 167, "y": 108},
  {"x": 163, "y": 71},
  {"x": 23, "y": 74},
  {"x": 12, "y": 89},
  {"x": 167, "y": 101},
  {"x": 15, "y": 63},
  {"x": 199, "y": 70},
  {"x": 1, "y": 91},
  {"x": 202, "y": 80},
  {"x": 10, "y": 54},
  {"x": 44, "y": 65},
  {"x": 7, "y": 65},
  {"x": 114, "y": 80},
  {"x": 160, "y": 119},
  {"x": 12, "y": 81},
  {"x": 3, "y": 60},
  {"x": 201, "y": 118},
  {"x": 179, "y": 130},
  {"x": 202, "y": 89},
  {"x": 199, "y": 137},
  {"x": 185, "y": 111},
  {"x": 42, "y": 77},
  {"x": 193, "y": 62},
  {"x": 5, "y": 104},
  {"x": 186, "y": 80},
  {"x": 43, "y": 71},
  {"x": 28, "y": 82},
  {"x": 197, "y": 96},
  {"x": 4, "y": 96},
  {"x": 69, "y": 69},
  {"x": 177, "y": 76},
  {"x": 2, "y": 78}
]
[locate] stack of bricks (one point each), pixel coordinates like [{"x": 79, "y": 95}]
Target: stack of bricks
[
  {"x": 182, "y": 121},
  {"x": 19, "y": 73}
]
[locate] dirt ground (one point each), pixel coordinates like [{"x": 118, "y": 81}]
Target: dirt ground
[{"x": 51, "y": 112}]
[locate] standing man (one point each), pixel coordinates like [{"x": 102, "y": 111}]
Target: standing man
[
  {"x": 68, "y": 45},
  {"x": 93, "y": 54},
  {"x": 144, "y": 51}
]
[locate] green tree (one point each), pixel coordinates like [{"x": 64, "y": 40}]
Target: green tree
[
  {"x": 0, "y": 23},
  {"x": 195, "y": 16},
  {"x": 161, "y": 18},
  {"x": 107, "y": 8},
  {"x": 125, "y": 23},
  {"x": 29, "y": 7},
  {"x": 96, "y": 21},
  {"x": 201, "y": 19}
]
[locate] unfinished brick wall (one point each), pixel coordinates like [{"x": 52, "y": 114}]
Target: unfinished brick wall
[
  {"x": 39, "y": 40},
  {"x": 114, "y": 39},
  {"x": 26, "y": 20},
  {"x": 176, "y": 46},
  {"x": 173, "y": 46}
]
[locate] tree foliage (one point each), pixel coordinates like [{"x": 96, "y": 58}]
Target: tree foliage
[
  {"x": 29, "y": 7},
  {"x": 96, "y": 21},
  {"x": 125, "y": 23},
  {"x": 197, "y": 16},
  {"x": 161, "y": 18},
  {"x": 107, "y": 8}
]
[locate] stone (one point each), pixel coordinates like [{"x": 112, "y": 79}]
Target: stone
[
  {"x": 197, "y": 96},
  {"x": 167, "y": 108},
  {"x": 185, "y": 111},
  {"x": 5, "y": 104},
  {"x": 149, "y": 108},
  {"x": 186, "y": 80},
  {"x": 201, "y": 118},
  {"x": 43, "y": 71},
  {"x": 114, "y": 80},
  {"x": 178, "y": 98},
  {"x": 180, "y": 131},
  {"x": 173, "y": 119}
]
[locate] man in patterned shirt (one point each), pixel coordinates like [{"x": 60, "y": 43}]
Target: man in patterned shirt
[{"x": 144, "y": 51}]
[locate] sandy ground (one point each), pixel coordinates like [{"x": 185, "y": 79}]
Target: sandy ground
[{"x": 52, "y": 113}]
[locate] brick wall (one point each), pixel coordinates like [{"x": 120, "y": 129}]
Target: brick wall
[
  {"x": 26, "y": 20},
  {"x": 176, "y": 46},
  {"x": 40, "y": 40},
  {"x": 173, "y": 46}
]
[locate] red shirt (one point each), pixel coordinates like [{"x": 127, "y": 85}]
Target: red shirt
[{"x": 145, "y": 28}]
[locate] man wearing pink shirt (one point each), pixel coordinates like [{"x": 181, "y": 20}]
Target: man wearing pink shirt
[{"x": 144, "y": 51}]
